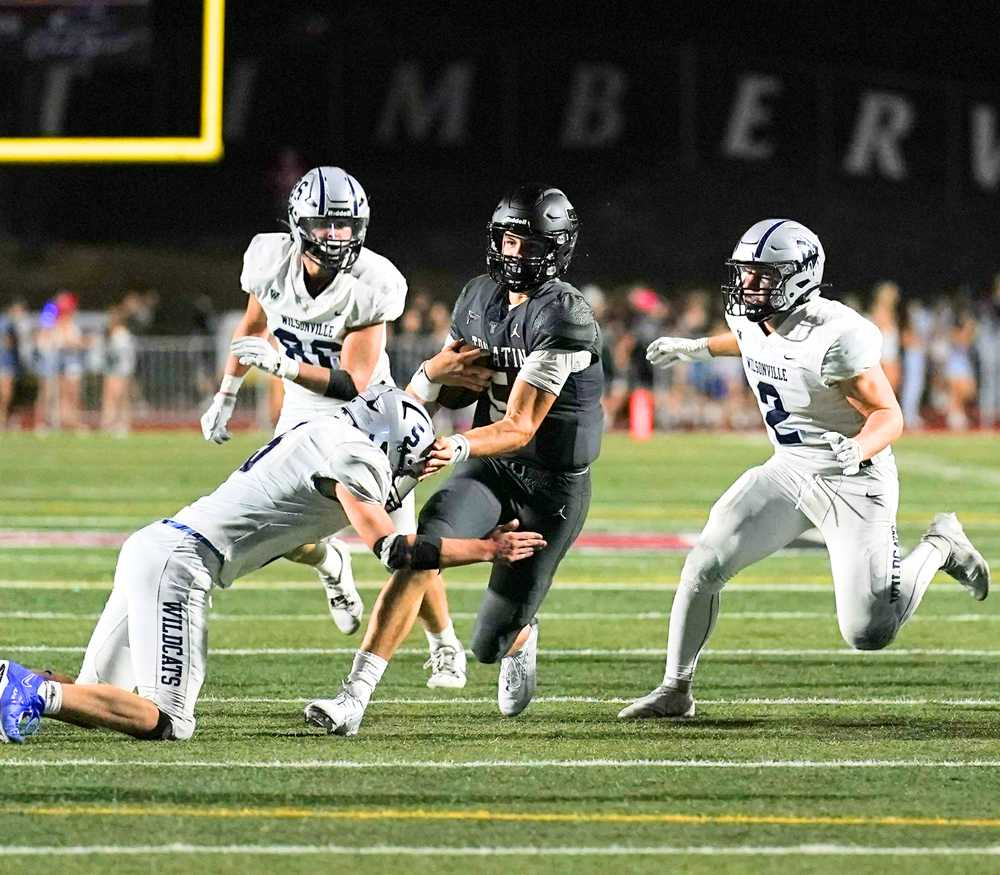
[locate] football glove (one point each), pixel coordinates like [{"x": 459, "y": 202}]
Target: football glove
[
  {"x": 258, "y": 353},
  {"x": 215, "y": 422},
  {"x": 666, "y": 351},
  {"x": 847, "y": 450}
]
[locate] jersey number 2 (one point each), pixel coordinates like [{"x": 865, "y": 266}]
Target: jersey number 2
[{"x": 777, "y": 414}]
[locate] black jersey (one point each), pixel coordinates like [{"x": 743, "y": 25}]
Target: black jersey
[{"x": 556, "y": 317}]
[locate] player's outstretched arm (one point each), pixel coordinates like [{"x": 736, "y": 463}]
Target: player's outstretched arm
[
  {"x": 527, "y": 406},
  {"x": 215, "y": 421},
  {"x": 666, "y": 351},
  {"x": 421, "y": 553}
]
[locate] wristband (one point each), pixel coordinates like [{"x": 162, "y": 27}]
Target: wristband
[
  {"x": 288, "y": 368},
  {"x": 699, "y": 350},
  {"x": 425, "y": 388},
  {"x": 230, "y": 384},
  {"x": 459, "y": 448}
]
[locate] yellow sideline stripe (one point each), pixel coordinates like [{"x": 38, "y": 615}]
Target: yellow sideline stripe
[{"x": 290, "y": 813}]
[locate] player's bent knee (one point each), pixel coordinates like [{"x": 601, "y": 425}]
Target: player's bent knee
[
  {"x": 169, "y": 729},
  {"x": 704, "y": 570},
  {"x": 487, "y": 646},
  {"x": 872, "y": 635}
]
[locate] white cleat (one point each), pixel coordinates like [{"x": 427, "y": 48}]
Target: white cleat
[
  {"x": 448, "y": 668},
  {"x": 965, "y": 563},
  {"x": 339, "y": 716},
  {"x": 664, "y": 703},
  {"x": 342, "y": 595},
  {"x": 516, "y": 684}
]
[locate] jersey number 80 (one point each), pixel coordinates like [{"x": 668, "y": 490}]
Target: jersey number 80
[{"x": 325, "y": 353}]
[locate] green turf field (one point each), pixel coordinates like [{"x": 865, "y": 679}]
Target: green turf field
[{"x": 805, "y": 756}]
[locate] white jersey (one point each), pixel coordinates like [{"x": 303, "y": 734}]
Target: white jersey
[
  {"x": 271, "y": 504},
  {"x": 311, "y": 329},
  {"x": 794, "y": 370}
]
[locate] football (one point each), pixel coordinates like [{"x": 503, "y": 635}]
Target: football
[{"x": 455, "y": 398}]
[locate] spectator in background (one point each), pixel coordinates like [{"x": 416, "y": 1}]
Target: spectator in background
[
  {"x": 406, "y": 351},
  {"x": 918, "y": 326},
  {"x": 988, "y": 353},
  {"x": 10, "y": 357},
  {"x": 884, "y": 313},
  {"x": 119, "y": 366},
  {"x": 140, "y": 308},
  {"x": 958, "y": 370},
  {"x": 59, "y": 351}
]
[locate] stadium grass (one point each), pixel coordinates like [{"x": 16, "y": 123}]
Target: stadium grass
[{"x": 813, "y": 703}]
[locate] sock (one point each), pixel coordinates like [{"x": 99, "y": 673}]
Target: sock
[
  {"x": 365, "y": 674},
  {"x": 692, "y": 618},
  {"x": 52, "y": 694},
  {"x": 445, "y": 638},
  {"x": 331, "y": 565},
  {"x": 916, "y": 573}
]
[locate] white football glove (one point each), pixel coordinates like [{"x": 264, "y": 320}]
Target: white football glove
[
  {"x": 258, "y": 353},
  {"x": 666, "y": 351},
  {"x": 215, "y": 422},
  {"x": 847, "y": 450}
]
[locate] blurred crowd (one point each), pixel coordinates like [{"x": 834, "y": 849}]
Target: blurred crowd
[
  {"x": 47, "y": 356},
  {"x": 67, "y": 368}
]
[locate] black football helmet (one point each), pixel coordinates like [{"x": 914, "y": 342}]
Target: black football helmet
[{"x": 545, "y": 219}]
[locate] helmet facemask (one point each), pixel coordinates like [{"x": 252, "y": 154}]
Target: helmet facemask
[
  {"x": 757, "y": 290},
  {"x": 333, "y": 242}
]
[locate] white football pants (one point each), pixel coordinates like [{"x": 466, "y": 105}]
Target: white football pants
[
  {"x": 771, "y": 505},
  {"x": 152, "y": 636}
]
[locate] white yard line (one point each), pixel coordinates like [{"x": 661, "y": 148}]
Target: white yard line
[
  {"x": 750, "y": 652},
  {"x": 802, "y": 850},
  {"x": 927, "y": 465},
  {"x": 436, "y": 701},
  {"x": 547, "y": 616},
  {"x": 273, "y": 586},
  {"x": 305, "y": 765}
]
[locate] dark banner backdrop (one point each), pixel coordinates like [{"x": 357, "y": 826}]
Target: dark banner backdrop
[{"x": 671, "y": 136}]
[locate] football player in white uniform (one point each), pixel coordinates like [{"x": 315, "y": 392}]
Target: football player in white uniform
[
  {"x": 325, "y": 298},
  {"x": 309, "y": 481},
  {"x": 813, "y": 365}
]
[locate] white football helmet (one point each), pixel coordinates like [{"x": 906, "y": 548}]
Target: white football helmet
[
  {"x": 328, "y": 216},
  {"x": 397, "y": 424},
  {"x": 776, "y": 266}
]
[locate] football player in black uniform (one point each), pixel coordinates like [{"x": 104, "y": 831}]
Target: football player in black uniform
[{"x": 526, "y": 461}]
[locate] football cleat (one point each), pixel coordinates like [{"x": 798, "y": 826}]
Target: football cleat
[
  {"x": 21, "y": 704},
  {"x": 964, "y": 563},
  {"x": 448, "y": 668},
  {"x": 516, "y": 684},
  {"x": 342, "y": 595},
  {"x": 339, "y": 716},
  {"x": 664, "y": 703}
]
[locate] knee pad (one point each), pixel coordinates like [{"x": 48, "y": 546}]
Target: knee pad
[
  {"x": 703, "y": 570},
  {"x": 874, "y": 635}
]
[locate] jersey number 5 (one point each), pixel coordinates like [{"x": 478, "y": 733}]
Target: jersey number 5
[{"x": 777, "y": 414}]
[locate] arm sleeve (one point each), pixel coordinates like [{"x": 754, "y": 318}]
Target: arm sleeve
[
  {"x": 549, "y": 369},
  {"x": 379, "y": 293},
  {"x": 362, "y": 469},
  {"x": 858, "y": 348},
  {"x": 566, "y": 324}
]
